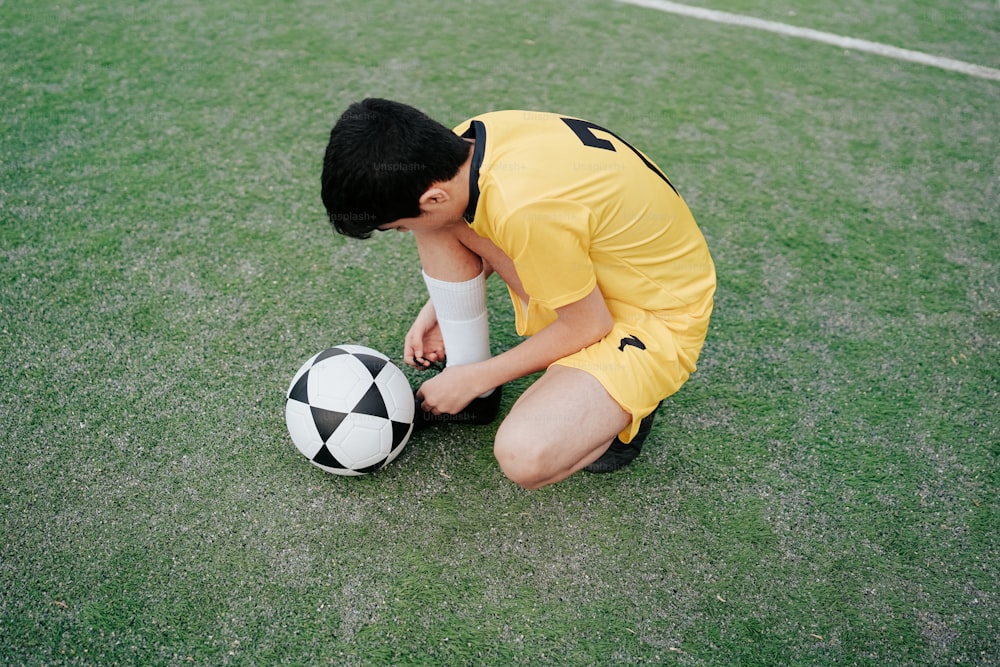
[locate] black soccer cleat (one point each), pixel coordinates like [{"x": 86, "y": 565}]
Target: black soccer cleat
[
  {"x": 620, "y": 454},
  {"x": 479, "y": 412}
]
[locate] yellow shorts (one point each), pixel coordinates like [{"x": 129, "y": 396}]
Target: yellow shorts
[{"x": 646, "y": 357}]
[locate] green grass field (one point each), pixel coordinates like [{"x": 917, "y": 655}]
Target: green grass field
[{"x": 824, "y": 491}]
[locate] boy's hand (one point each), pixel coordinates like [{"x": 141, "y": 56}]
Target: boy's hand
[
  {"x": 423, "y": 346},
  {"x": 452, "y": 390}
]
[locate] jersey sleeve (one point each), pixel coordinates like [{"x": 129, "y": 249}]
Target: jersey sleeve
[{"x": 549, "y": 243}]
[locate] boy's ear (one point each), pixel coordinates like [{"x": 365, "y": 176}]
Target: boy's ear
[{"x": 433, "y": 196}]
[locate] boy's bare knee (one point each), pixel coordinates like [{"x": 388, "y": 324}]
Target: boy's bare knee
[{"x": 521, "y": 462}]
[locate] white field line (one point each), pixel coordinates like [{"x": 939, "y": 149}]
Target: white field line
[{"x": 818, "y": 36}]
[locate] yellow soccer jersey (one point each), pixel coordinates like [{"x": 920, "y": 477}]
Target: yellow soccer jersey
[{"x": 575, "y": 206}]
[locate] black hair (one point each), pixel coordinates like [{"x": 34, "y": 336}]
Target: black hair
[{"x": 382, "y": 156}]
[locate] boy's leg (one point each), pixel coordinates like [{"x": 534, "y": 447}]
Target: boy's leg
[
  {"x": 559, "y": 425},
  {"x": 462, "y": 317},
  {"x": 639, "y": 363},
  {"x": 455, "y": 281},
  {"x": 443, "y": 256}
]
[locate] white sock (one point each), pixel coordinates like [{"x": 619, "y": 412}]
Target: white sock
[{"x": 462, "y": 316}]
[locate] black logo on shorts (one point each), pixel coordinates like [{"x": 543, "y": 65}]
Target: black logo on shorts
[{"x": 633, "y": 341}]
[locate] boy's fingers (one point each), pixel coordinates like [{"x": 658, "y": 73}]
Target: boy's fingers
[{"x": 412, "y": 355}]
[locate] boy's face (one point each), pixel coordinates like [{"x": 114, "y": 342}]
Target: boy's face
[
  {"x": 401, "y": 225},
  {"x": 441, "y": 206},
  {"x": 423, "y": 223}
]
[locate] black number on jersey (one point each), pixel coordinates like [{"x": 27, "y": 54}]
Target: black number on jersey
[{"x": 584, "y": 130}]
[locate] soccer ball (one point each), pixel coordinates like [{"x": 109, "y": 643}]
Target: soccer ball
[{"x": 349, "y": 410}]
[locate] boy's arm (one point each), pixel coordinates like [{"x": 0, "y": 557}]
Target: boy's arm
[{"x": 578, "y": 325}]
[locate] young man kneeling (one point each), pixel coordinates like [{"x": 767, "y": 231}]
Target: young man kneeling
[{"x": 610, "y": 277}]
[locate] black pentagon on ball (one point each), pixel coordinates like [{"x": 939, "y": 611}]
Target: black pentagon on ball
[
  {"x": 300, "y": 392},
  {"x": 399, "y": 432},
  {"x": 372, "y": 403},
  {"x": 325, "y": 458},
  {"x": 372, "y": 363},
  {"x": 327, "y": 353},
  {"x": 327, "y": 421}
]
